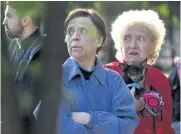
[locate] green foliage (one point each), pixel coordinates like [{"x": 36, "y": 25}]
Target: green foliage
[
  {"x": 144, "y": 4},
  {"x": 112, "y": 8},
  {"x": 128, "y": 4},
  {"x": 73, "y": 5},
  {"x": 175, "y": 22},
  {"x": 97, "y": 5},
  {"x": 164, "y": 11},
  {"x": 163, "y": 8}
]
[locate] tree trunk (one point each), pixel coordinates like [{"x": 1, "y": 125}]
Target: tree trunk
[{"x": 53, "y": 55}]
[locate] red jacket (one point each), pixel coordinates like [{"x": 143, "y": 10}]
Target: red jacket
[{"x": 160, "y": 83}]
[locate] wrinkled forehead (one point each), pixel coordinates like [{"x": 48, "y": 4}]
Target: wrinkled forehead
[{"x": 138, "y": 29}]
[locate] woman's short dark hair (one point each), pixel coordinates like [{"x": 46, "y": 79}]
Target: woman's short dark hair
[{"x": 95, "y": 18}]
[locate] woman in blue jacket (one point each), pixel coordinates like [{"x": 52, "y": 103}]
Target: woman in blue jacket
[{"x": 96, "y": 100}]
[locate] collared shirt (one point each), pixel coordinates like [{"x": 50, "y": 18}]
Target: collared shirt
[
  {"x": 72, "y": 69},
  {"x": 105, "y": 96},
  {"x": 74, "y": 79}
]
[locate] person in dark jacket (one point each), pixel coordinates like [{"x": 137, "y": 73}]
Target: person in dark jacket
[
  {"x": 21, "y": 24},
  {"x": 174, "y": 79},
  {"x": 96, "y": 100}
]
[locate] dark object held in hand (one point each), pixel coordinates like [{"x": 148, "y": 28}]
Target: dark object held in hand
[{"x": 132, "y": 74}]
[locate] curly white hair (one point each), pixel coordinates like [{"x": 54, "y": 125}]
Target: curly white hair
[{"x": 148, "y": 18}]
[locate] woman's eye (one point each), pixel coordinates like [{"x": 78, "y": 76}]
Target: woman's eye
[
  {"x": 126, "y": 38},
  {"x": 141, "y": 38},
  {"x": 70, "y": 31},
  {"x": 83, "y": 30}
]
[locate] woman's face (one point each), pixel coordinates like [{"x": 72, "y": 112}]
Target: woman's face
[
  {"x": 82, "y": 38},
  {"x": 137, "y": 44}
]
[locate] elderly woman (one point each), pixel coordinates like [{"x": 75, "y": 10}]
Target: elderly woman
[
  {"x": 97, "y": 100},
  {"x": 138, "y": 36}
]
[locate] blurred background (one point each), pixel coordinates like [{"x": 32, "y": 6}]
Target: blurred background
[
  {"x": 169, "y": 11},
  {"x": 53, "y": 12}
]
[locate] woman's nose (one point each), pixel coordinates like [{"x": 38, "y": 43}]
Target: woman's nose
[
  {"x": 76, "y": 36},
  {"x": 133, "y": 44},
  {"x": 75, "y": 39}
]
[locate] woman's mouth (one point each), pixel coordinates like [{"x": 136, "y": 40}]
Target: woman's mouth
[
  {"x": 76, "y": 48},
  {"x": 133, "y": 53}
]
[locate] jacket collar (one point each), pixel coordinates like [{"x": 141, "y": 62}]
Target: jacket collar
[
  {"x": 72, "y": 69},
  {"x": 26, "y": 43}
]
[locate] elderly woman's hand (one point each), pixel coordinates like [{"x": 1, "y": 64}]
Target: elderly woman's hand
[{"x": 139, "y": 104}]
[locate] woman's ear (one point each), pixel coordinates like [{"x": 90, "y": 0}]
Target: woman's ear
[
  {"x": 153, "y": 45},
  {"x": 99, "y": 41},
  {"x": 154, "y": 41}
]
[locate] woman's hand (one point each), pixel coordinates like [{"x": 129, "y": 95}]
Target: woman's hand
[
  {"x": 138, "y": 103},
  {"x": 81, "y": 117}
]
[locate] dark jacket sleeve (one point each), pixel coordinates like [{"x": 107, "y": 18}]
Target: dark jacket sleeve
[
  {"x": 31, "y": 82},
  {"x": 175, "y": 89},
  {"x": 122, "y": 119}
]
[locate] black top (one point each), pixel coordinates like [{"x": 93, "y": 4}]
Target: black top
[
  {"x": 24, "y": 45},
  {"x": 29, "y": 40},
  {"x": 86, "y": 73}
]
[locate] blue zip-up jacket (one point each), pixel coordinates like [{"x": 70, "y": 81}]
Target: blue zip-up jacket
[{"x": 105, "y": 96}]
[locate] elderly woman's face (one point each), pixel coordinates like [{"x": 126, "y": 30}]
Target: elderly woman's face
[
  {"x": 137, "y": 44},
  {"x": 82, "y": 38}
]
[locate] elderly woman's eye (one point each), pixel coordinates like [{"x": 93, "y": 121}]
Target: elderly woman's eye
[
  {"x": 141, "y": 38},
  {"x": 126, "y": 38}
]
